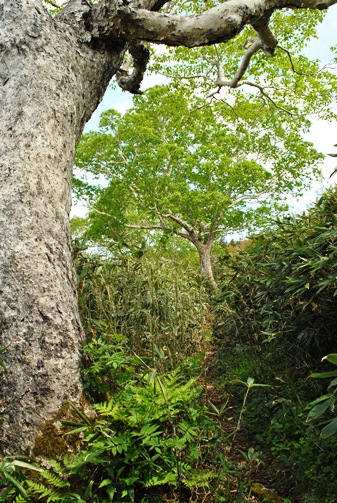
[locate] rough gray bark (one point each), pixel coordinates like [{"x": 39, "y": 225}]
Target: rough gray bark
[
  {"x": 50, "y": 84},
  {"x": 53, "y": 73}
]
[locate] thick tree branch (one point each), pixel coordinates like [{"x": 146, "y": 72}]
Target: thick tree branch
[
  {"x": 265, "y": 34},
  {"x": 116, "y": 20},
  {"x": 75, "y": 12},
  {"x": 113, "y": 21}
]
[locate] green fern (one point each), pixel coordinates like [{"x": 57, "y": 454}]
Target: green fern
[
  {"x": 57, "y": 467},
  {"x": 147, "y": 435},
  {"x": 110, "y": 409},
  {"x": 50, "y": 495},
  {"x": 55, "y": 480},
  {"x": 18, "y": 499}
]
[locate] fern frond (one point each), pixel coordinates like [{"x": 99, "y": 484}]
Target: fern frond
[
  {"x": 18, "y": 499},
  {"x": 166, "y": 478},
  {"x": 54, "y": 480},
  {"x": 57, "y": 467},
  {"x": 108, "y": 408},
  {"x": 44, "y": 492}
]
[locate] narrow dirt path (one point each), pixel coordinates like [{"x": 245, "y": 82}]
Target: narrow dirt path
[{"x": 254, "y": 478}]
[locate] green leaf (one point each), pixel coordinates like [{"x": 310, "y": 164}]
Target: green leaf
[
  {"x": 238, "y": 381},
  {"x": 319, "y": 409},
  {"x": 214, "y": 407},
  {"x": 30, "y": 466},
  {"x": 333, "y": 383},
  {"x": 76, "y": 431},
  {"x": 80, "y": 413},
  {"x": 16, "y": 485},
  {"x": 329, "y": 429},
  {"x": 105, "y": 482},
  {"x": 71, "y": 423},
  {"x": 332, "y": 358},
  {"x": 324, "y": 375}
]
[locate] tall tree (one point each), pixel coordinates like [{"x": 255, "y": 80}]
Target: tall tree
[
  {"x": 54, "y": 70},
  {"x": 198, "y": 172}
]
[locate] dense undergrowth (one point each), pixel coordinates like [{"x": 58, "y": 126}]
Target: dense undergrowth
[
  {"x": 199, "y": 399},
  {"x": 276, "y": 319},
  {"x": 154, "y": 301}
]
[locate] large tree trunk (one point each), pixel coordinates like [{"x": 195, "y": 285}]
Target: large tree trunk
[{"x": 50, "y": 83}]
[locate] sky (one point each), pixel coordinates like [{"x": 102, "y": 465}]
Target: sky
[{"x": 323, "y": 134}]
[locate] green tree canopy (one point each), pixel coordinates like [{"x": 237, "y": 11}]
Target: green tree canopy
[{"x": 177, "y": 165}]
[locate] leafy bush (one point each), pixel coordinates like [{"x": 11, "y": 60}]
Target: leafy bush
[
  {"x": 275, "y": 319},
  {"x": 284, "y": 284},
  {"x": 320, "y": 407}
]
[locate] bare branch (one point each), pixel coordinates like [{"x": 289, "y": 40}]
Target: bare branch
[
  {"x": 262, "y": 89},
  {"x": 252, "y": 45},
  {"x": 302, "y": 73},
  {"x": 266, "y": 42},
  {"x": 265, "y": 95},
  {"x": 101, "y": 212}
]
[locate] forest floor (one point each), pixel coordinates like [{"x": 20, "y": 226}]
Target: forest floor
[{"x": 257, "y": 479}]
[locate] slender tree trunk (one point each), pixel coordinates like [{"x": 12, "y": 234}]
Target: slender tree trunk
[
  {"x": 204, "y": 250},
  {"x": 50, "y": 83}
]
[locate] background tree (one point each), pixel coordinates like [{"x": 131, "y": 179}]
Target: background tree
[
  {"x": 54, "y": 70},
  {"x": 176, "y": 165}
]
